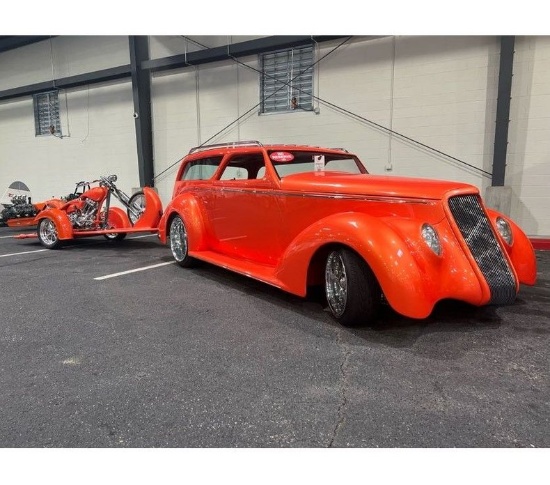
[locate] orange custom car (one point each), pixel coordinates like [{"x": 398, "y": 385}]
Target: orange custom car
[{"x": 299, "y": 216}]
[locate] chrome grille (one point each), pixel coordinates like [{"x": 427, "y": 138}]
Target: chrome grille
[{"x": 480, "y": 238}]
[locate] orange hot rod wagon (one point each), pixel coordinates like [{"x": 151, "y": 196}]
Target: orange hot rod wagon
[{"x": 298, "y": 216}]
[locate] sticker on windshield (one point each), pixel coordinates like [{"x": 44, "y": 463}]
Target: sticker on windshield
[
  {"x": 319, "y": 163},
  {"x": 281, "y": 157}
]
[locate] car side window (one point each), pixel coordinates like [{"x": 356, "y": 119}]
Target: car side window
[
  {"x": 244, "y": 167},
  {"x": 202, "y": 169}
]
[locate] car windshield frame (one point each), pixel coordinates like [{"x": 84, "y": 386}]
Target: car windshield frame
[{"x": 304, "y": 161}]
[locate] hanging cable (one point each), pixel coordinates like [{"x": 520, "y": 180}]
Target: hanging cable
[
  {"x": 356, "y": 116},
  {"x": 258, "y": 104},
  {"x": 386, "y": 130}
]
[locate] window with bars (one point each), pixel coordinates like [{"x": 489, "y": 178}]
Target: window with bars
[
  {"x": 46, "y": 114},
  {"x": 287, "y": 80}
]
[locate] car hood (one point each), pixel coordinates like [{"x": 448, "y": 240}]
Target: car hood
[{"x": 374, "y": 185}]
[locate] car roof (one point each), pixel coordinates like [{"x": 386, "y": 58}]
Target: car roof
[{"x": 252, "y": 146}]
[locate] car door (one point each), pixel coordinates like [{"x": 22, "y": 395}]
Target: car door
[{"x": 244, "y": 215}]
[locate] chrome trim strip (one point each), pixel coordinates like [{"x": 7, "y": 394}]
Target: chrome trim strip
[{"x": 320, "y": 195}]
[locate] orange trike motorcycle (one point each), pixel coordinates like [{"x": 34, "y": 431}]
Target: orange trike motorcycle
[{"x": 91, "y": 214}]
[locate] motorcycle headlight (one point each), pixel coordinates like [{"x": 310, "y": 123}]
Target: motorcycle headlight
[
  {"x": 431, "y": 238},
  {"x": 505, "y": 230}
]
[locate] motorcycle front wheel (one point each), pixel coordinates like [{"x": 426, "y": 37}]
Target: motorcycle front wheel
[{"x": 136, "y": 204}]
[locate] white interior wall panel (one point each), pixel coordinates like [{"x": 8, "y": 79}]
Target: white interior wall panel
[
  {"x": 528, "y": 161},
  {"x": 62, "y": 56},
  {"x": 171, "y": 45},
  {"x": 445, "y": 97},
  {"x": 98, "y": 139}
]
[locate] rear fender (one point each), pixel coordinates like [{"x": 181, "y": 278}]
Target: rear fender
[
  {"x": 187, "y": 207},
  {"x": 61, "y": 221},
  {"x": 521, "y": 252},
  {"x": 153, "y": 209}
]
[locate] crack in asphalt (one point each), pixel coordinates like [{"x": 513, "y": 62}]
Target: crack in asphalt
[{"x": 344, "y": 385}]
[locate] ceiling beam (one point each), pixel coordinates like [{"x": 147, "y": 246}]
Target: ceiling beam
[{"x": 240, "y": 49}]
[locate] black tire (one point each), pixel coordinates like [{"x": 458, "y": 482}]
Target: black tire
[
  {"x": 137, "y": 201},
  {"x": 47, "y": 234},
  {"x": 115, "y": 236},
  {"x": 179, "y": 244},
  {"x": 352, "y": 291}
]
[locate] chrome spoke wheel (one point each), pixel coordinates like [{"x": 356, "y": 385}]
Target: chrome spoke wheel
[
  {"x": 336, "y": 284},
  {"x": 47, "y": 233},
  {"x": 178, "y": 240},
  {"x": 136, "y": 207}
]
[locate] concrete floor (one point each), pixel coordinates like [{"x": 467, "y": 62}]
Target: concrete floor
[{"x": 173, "y": 357}]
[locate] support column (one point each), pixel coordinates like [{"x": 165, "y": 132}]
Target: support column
[
  {"x": 141, "y": 89},
  {"x": 503, "y": 109}
]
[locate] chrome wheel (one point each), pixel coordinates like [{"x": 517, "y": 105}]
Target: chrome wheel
[
  {"x": 47, "y": 233},
  {"x": 136, "y": 207},
  {"x": 178, "y": 240},
  {"x": 336, "y": 284}
]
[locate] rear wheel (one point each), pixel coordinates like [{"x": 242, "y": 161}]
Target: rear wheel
[
  {"x": 352, "y": 291},
  {"x": 115, "y": 236},
  {"x": 136, "y": 207},
  {"x": 47, "y": 233},
  {"x": 179, "y": 243}
]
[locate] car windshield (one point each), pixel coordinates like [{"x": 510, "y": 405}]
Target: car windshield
[{"x": 302, "y": 162}]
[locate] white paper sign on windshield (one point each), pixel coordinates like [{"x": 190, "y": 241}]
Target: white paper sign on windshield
[{"x": 319, "y": 163}]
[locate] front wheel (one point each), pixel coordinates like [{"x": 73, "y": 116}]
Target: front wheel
[
  {"x": 352, "y": 291},
  {"x": 136, "y": 207},
  {"x": 179, "y": 243},
  {"x": 47, "y": 233}
]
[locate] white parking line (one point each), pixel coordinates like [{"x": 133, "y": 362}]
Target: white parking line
[
  {"x": 23, "y": 252},
  {"x": 122, "y": 273},
  {"x": 11, "y": 237}
]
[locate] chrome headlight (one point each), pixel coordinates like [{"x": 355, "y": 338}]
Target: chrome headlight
[
  {"x": 505, "y": 230},
  {"x": 431, "y": 238}
]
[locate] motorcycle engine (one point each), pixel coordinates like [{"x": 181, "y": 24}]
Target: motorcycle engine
[{"x": 84, "y": 218}]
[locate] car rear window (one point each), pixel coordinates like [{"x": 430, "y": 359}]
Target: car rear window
[{"x": 201, "y": 169}]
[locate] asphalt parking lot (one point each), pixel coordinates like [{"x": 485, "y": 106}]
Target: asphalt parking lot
[{"x": 95, "y": 356}]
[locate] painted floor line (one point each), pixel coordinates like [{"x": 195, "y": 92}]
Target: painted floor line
[
  {"x": 23, "y": 252},
  {"x": 11, "y": 237},
  {"x": 122, "y": 273}
]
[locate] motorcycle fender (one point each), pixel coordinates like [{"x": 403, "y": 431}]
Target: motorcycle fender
[
  {"x": 153, "y": 209},
  {"x": 521, "y": 252},
  {"x": 118, "y": 218},
  {"x": 186, "y": 206},
  {"x": 61, "y": 221},
  {"x": 398, "y": 270}
]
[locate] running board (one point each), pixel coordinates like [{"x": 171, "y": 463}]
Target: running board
[{"x": 261, "y": 272}]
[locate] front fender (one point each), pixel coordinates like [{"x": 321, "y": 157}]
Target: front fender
[
  {"x": 413, "y": 279},
  {"x": 521, "y": 252},
  {"x": 61, "y": 221},
  {"x": 186, "y": 206}
]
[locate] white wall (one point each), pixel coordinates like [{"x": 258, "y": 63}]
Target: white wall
[
  {"x": 444, "y": 95},
  {"x": 61, "y": 56},
  {"x": 97, "y": 123},
  {"x": 440, "y": 91},
  {"x": 528, "y": 161}
]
